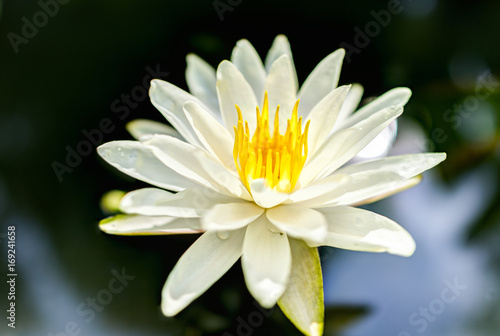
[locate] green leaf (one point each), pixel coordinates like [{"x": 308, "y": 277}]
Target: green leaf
[{"x": 303, "y": 301}]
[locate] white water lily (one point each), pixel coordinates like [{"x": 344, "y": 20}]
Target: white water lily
[{"x": 258, "y": 166}]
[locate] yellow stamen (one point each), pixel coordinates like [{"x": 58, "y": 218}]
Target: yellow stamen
[{"x": 277, "y": 158}]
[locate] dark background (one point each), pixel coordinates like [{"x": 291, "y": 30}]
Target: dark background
[{"x": 65, "y": 76}]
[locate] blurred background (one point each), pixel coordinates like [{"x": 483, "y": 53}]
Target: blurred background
[{"x": 67, "y": 65}]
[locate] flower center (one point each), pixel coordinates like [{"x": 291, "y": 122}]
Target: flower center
[{"x": 278, "y": 158}]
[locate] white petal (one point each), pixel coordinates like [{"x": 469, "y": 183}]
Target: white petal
[
  {"x": 367, "y": 181},
  {"x": 362, "y": 230},
  {"x": 138, "y": 161},
  {"x": 191, "y": 202},
  {"x": 351, "y": 102},
  {"x": 323, "y": 117},
  {"x": 341, "y": 146},
  {"x": 142, "y": 127},
  {"x": 332, "y": 148},
  {"x": 280, "y": 47},
  {"x": 405, "y": 166},
  {"x": 356, "y": 189},
  {"x": 196, "y": 165},
  {"x": 298, "y": 222},
  {"x": 230, "y": 216},
  {"x": 201, "y": 78},
  {"x": 199, "y": 268},
  {"x": 322, "y": 80},
  {"x": 282, "y": 90},
  {"x": 169, "y": 99},
  {"x": 303, "y": 301},
  {"x": 247, "y": 60},
  {"x": 149, "y": 225},
  {"x": 387, "y": 191},
  {"x": 326, "y": 190},
  {"x": 233, "y": 89},
  {"x": 394, "y": 97},
  {"x": 265, "y": 196},
  {"x": 216, "y": 139},
  {"x": 379, "y": 177},
  {"x": 266, "y": 261}
]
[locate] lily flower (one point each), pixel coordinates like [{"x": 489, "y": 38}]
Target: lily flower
[{"x": 260, "y": 168}]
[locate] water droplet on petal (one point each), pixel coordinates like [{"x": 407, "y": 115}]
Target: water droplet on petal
[{"x": 223, "y": 234}]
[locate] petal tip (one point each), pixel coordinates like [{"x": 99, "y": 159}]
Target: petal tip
[
  {"x": 273, "y": 290},
  {"x": 316, "y": 329},
  {"x": 281, "y": 37},
  {"x": 191, "y": 57},
  {"x": 406, "y": 246},
  {"x": 224, "y": 64},
  {"x": 169, "y": 310},
  {"x": 404, "y": 253},
  {"x": 242, "y": 42},
  {"x": 171, "y": 306},
  {"x": 104, "y": 149},
  {"x": 155, "y": 82},
  {"x": 405, "y": 92}
]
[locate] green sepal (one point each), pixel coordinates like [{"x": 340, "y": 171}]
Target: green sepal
[{"x": 303, "y": 301}]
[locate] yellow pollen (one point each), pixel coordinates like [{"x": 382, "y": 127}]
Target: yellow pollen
[{"x": 278, "y": 158}]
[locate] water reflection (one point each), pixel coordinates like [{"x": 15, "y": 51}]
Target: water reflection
[
  {"x": 406, "y": 293},
  {"x": 56, "y": 304}
]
